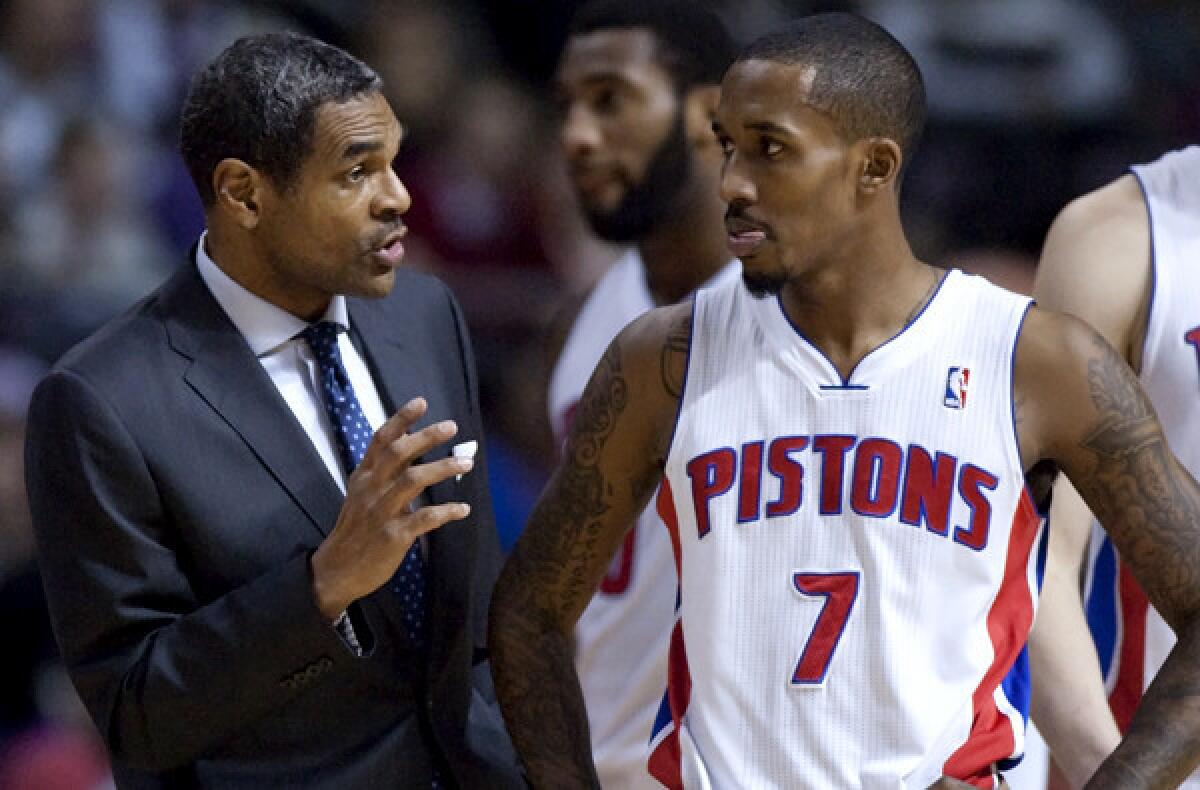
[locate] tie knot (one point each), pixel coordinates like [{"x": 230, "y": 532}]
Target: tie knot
[{"x": 322, "y": 337}]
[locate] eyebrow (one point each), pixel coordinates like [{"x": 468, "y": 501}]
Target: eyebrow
[
  {"x": 355, "y": 150},
  {"x": 594, "y": 79},
  {"x": 757, "y": 126},
  {"x": 769, "y": 127}
]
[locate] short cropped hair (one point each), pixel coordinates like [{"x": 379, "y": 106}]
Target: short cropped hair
[
  {"x": 693, "y": 45},
  {"x": 257, "y": 101},
  {"x": 864, "y": 78}
]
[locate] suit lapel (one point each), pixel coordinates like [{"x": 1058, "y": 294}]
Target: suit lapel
[
  {"x": 405, "y": 365},
  {"x": 394, "y": 366},
  {"x": 227, "y": 375}
]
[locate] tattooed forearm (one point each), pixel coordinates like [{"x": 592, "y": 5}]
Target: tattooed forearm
[
  {"x": 1151, "y": 508},
  {"x": 546, "y": 583},
  {"x": 570, "y": 514},
  {"x": 674, "y": 355},
  {"x": 540, "y": 697},
  {"x": 1160, "y": 747}
]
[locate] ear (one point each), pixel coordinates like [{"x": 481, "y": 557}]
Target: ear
[
  {"x": 699, "y": 110},
  {"x": 239, "y": 192},
  {"x": 881, "y": 160}
]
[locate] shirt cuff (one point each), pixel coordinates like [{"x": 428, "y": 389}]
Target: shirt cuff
[{"x": 345, "y": 630}]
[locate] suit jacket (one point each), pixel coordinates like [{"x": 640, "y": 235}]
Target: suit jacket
[{"x": 176, "y": 502}]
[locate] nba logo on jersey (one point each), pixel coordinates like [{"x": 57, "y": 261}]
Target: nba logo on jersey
[{"x": 956, "y": 388}]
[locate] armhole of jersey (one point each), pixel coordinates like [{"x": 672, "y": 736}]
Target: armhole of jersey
[
  {"x": 687, "y": 370},
  {"x": 1154, "y": 274},
  {"x": 1012, "y": 403}
]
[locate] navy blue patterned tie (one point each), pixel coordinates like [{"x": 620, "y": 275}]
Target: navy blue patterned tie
[{"x": 353, "y": 435}]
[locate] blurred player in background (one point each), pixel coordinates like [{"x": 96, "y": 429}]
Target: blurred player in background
[{"x": 638, "y": 82}]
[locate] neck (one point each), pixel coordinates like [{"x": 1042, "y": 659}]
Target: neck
[
  {"x": 849, "y": 306},
  {"x": 684, "y": 251},
  {"x": 249, "y": 266}
]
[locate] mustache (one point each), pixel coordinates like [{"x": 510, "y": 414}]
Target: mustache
[
  {"x": 388, "y": 232},
  {"x": 738, "y": 219}
]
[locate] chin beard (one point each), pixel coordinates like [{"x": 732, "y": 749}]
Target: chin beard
[
  {"x": 648, "y": 203},
  {"x": 761, "y": 285}
]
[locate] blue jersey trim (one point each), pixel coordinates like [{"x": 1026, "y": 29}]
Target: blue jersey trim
[
  {"x": 1102, "y": 609},
  {"x": 1016, "y": 688},
  {"x": 663, "y": 719}
]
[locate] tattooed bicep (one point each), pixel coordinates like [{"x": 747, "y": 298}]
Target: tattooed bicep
[
  {"x": 1124, "y": 469},
  {"x": 1125, "y": 420},
  {"x": 1120, "y": 441}
]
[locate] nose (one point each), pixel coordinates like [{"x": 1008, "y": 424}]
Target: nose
[
  {"x": 580, "y": 134},
  {"x": 393, "y": 199},
  {"x": 735, "y": 185}
]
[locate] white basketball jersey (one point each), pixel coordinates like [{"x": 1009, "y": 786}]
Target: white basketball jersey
[
  {"x": 621, "y": 638},
  {"x": 858, "y": 558},
  {"x": 1132, "y": 638}
]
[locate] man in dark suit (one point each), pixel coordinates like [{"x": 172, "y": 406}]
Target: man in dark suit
[{"x": 249, "y": 590}]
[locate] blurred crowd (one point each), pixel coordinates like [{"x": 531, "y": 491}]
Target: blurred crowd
[{"x": 1032, "y": 102}]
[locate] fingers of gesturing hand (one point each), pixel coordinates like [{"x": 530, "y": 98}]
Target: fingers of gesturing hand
[
  {"x": 399, "y": 423},
  {"x": 389, "y": 488},
  {"x": 396, "y": 428},
  {"x": 418, "y": 477},
  {"x": 404, "y": 530},
  {"x": 390, "y": 454},
  {"x": 363, "y": 551}
]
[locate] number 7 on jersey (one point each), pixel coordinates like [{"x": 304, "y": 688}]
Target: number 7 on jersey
[{"x": 839, "y": 591}]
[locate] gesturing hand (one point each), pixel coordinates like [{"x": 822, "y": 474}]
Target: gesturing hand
[{"x": 377, "y": 524}]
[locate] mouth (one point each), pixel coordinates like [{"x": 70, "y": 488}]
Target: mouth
[
  {"x": 743, "y": 237},
  {"x": 592, "y": 182},
  {"x": 390, "y": 250}
]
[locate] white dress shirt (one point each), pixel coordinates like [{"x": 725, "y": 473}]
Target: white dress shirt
[{"x": 272, "y": 334}]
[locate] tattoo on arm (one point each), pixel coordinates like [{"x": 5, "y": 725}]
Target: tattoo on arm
[
  {"x": 571, "y": 513},
  {"x": 546, "y": 580},
  {"x": 1151, "y": 507},
  {"x": 1136, "y": 488}
]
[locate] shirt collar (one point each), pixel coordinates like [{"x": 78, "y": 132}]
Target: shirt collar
[{"x": 264, "y": 325}]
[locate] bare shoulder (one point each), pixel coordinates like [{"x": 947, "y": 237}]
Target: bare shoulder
[
  {"x": 1068, "y": 380},
  {"x": 643, "y": 368},
  {"x": 1096, "y": 262},
  {"x": 656, "y": 345}
]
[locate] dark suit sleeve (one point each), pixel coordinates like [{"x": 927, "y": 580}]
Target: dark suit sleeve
[{"x": 164, "y": 675}]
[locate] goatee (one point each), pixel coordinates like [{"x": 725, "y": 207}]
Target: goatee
[{"x": 762, "y": 285}]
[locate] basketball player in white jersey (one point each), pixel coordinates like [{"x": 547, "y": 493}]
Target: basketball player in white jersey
[
  {"x": 638, "y": 82},
  {"x": 1126, "y": 259},
  {"x": 842, "y": 464}
]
